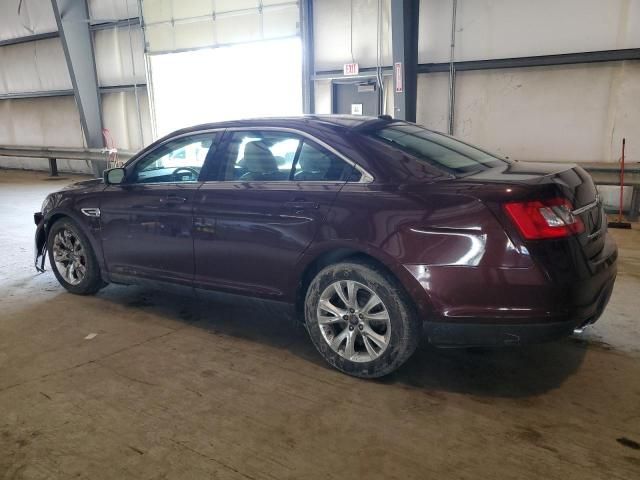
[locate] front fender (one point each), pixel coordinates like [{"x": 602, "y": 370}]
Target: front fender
[{"x": 90, "y": 227}]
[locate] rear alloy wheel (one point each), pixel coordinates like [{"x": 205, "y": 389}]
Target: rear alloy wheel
[
  {"x": 360, "y": 320},
  {"x": 72, "y": 259}
]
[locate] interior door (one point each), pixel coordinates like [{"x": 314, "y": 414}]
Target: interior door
[
  {"x": 147, "y": 221},
  {"x": 355, "y": 98},
  {"x": 256, "y": 220}
]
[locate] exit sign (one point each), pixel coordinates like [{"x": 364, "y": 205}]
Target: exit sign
[{"x": 351, "y": 69}]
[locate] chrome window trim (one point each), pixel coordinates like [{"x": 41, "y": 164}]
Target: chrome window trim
[{"x": 365, "y": 177}]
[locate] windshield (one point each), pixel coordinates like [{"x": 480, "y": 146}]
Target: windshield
[{"x": 439, "y": 150}]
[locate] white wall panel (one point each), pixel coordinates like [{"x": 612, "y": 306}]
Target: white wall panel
[
  {"x": 114, "y": 49},
  {"x": 120, "y": 118},
  {"x": 36, "y": 16},
  {"x": 52, "y": 121},
  {"x": 33, "y": 66},
  {"x": 433, "y": 105},
  {"x": 48, "y": 121},
  {"x": 174, "y": 25},
  {"x": 322, "y": 93},
  {"x": 573, "y": 113},
  {"x": 337, "y": 33},
  {"x": 511, "y": 28},
  {"x": 111, "y": 10}
]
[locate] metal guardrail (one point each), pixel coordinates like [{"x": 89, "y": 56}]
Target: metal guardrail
[
  {"x": 603, "y": 173},
  {"x": 99, "y": 156}
]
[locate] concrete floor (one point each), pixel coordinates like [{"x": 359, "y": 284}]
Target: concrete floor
[{"x": 175, "y": 388}]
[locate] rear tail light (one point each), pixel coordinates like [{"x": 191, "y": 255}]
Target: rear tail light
[{"x": 540, "y": 219}]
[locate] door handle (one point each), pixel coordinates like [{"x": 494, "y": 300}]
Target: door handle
[
  {"x": 301, "y": 205},
  {"x": 172, "y": 200}
]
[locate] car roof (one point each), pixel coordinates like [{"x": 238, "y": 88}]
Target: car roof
[{"x": 300, "y": 121}]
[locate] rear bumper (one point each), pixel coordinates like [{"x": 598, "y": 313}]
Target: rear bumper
[
  {"x": 496, "y": 332},
  {"x": 475, "y": 306}
]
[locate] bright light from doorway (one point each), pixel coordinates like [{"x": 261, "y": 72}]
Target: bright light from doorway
[{"x": 226, "y": 83}]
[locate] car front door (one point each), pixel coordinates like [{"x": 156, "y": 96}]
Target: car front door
[
  {"x": 255, "y": 220},
  {"x": 147, "y": 221}
]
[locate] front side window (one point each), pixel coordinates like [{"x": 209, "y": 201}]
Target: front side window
[
  {"x": 180, "y": 160},
  {"x": 439, "y": 150},
  {"x": 279, "y": 156}
]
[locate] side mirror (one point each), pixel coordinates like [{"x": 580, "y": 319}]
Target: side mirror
[{"x": 113, "y": 176}]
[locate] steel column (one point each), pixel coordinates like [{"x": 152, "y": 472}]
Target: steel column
[
  {"x": 452, "y": 69},
  {"x": 308, "y": 57},
  {"x": 72, "y": 17},
  {"x": 404, "y": 40}
]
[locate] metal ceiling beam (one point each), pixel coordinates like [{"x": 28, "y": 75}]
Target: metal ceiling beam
[
  {"x": 308, "y": 56},
  {"x": 127, "y": 22},
  {"x": 499, "y": 63},
  {"x": 66, "y": 93},
  {"x": 28, "y": 38},
  {"x": 48, "y": 93},
  {"x": 404, "y": 45},
  {"x": 536, "y": 61},
  {"x": 72, "y": 17}
]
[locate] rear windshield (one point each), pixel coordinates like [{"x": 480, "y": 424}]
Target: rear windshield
[{"x": 437, "y": 149}]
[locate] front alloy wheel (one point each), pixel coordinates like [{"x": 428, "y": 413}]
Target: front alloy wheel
[
  {"x": 72, "y": 259},
  {"x": 69, "y": 256}
]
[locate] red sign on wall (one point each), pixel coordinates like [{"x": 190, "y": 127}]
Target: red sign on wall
[
  {"x": 397, "y": 71},
  {"x": 351, "y": 69}
]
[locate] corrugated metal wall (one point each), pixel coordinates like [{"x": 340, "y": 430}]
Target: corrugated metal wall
[
  {"x": 575, "y": 113},
  {"x": 40, "y": 66}
]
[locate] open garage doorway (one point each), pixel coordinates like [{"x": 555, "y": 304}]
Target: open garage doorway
[{"x": 225, "y": 83}]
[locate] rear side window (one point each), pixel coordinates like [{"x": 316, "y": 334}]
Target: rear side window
[
  {"x": 437, "y": 149},
  {"x": 315, "y": 164},
  {"x": 280, "y": 156}
]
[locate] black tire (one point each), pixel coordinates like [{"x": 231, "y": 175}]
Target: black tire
[
  {"x": 92, "y": 281},
  {"x": 405, "y": 326}
]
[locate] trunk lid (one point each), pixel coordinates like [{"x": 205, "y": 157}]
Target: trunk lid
[{"x": 567, "y": 180}]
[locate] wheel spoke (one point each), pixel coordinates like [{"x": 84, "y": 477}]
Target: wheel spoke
[
  {"x": 338, "y": 288},
  {"x": 68, "y": 272},
  {"x": 338, "y": 339},
  {"x": 349, "y": 348},
  {"x": 327, "y": 306},
  {"x": 66, "y": 238},
  {"x": 370, "y": 350},
  {"x": 351, "y": 293},
  {"x": 373, "y": 302},
  {"x": 376, "y": 338},
  {"x": 60, "y": 255},
  {"x": 81, "y": 270},
  {"x": 379, "y": 316}
]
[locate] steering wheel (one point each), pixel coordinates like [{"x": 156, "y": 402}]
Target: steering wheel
[{"x": 194, "y": 173}]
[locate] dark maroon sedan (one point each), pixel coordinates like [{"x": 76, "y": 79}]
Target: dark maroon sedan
[{"x": 378, "y": 230}]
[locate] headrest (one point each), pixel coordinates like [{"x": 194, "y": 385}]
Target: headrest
[{"x": 258, "y": 158}]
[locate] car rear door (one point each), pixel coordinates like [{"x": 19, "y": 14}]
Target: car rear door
[
  {"x": 147, "y": 221},
  {"x": 256, "y": 218}
]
